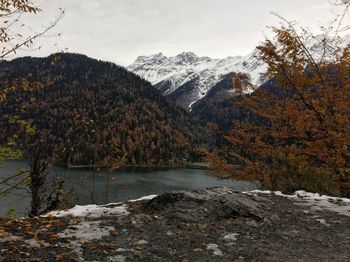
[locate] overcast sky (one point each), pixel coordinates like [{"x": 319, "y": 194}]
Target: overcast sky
[{"x": 122, "y": 30}]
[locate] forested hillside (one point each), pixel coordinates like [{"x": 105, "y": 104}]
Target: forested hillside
[
  {"x": 90, "y": 110},
  {"x": 222, "y": 106}
]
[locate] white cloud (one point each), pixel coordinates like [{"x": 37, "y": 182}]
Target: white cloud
[{"x": 121, "y": 30}]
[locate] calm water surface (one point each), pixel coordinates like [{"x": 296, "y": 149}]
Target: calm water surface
[{"x": 87, "y": 187}]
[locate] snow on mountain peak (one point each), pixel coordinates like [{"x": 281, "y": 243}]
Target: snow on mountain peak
[
  {"x": 187, "y": 56},
  {"x": 171, "y": 73},
  {"x": 152, "y": 58},
  {"x": 192, "y": 76}
]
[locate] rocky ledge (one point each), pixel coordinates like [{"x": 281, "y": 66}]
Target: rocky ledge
[{"x": 207, "y": 225}]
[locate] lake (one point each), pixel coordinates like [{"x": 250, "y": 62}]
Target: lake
[{"x": 87, "y": 187}]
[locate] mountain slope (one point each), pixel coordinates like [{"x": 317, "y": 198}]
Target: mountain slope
[
  {"x": 92, "y": 109},
  {"x": 188, "y": 78}
]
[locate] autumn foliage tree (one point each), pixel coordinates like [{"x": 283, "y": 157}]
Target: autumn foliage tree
[
  {"x": 16, "y": 35},
  {"x": 299, "y": 138},
  {"x": 9, "y": 12}
]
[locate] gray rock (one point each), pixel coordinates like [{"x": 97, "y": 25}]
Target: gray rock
[
  {"x": 215, "y": 249},
  {"x": 209, "y": 204}
]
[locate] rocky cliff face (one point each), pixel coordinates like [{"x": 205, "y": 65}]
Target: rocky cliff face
[{"x": 216, "y": 224}]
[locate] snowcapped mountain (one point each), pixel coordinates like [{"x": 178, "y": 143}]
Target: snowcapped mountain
[{"x": 187, "y": 77}]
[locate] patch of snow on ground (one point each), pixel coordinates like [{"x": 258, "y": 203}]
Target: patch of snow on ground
[
  {"x": 87, "y": 231},
  {"x": 315, "y": 201},
  {"x": 150, "y": 197},
  {"x": 317, "y": 196},
  {"x": 268, "y": 192},
  {"x": 319, "y": 202},
  {"x": 93, "y": 211},
  {"x": 96, "y": 211}
]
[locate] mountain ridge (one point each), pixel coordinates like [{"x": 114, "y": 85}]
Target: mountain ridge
[
  {"x": 169, "y": 74},
  {"x": 188, "y": 78}
]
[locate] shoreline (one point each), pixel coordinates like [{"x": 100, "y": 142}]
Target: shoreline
[
  {"x": 201, "y": 166},
  {"x": 194, "y": 165}
]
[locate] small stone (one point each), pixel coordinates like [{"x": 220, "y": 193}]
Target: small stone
[
  {"x": 142, "y": 242},
  {"x": 252, "y": 223},
  {"x": 198, "y": 250},
  {"x": 231, "y": 237},
  {"x": 33, "y": 243},
  {"x": 169, "y": 233},
  {"x": 122, "y": 250},
  {"x": 218, "y": 252},
  {"x": 118, "y": 258},
  {"x": 212, "y": 246},
  {"x": 215, "y": 249}
]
